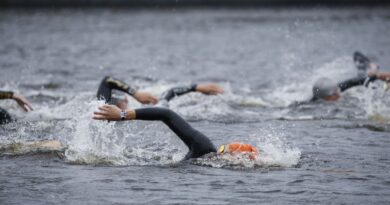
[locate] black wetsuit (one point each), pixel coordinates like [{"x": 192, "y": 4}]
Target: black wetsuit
[
  {"x": 109, "y": 83},
  {"x": 5, "y": 117},
  {"x": 363, "y": 80},
  {"x": 345, "y": 85},
  {"x": 177, "y": 91},
  {"x": 197, "y": 143}
]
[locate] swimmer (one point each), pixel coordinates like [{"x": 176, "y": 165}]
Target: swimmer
[
  {"x": 5, "y": 117},
  {"x": 197, "y": 143},
  {"x": 326, "y": 89},
  {"x": 109, "y": 83}
]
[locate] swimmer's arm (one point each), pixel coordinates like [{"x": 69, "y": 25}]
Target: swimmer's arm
[
  {"x": 176, "y": 123},
  {"x": 22, "y": 101},
  {"x": 145, "y": 98},
  {"x": 353, "y": 82},
  {"x": 112, "y": 113},
  {"x": 117, "y": 84},
  {"x": 208, "y": 89},
  {"x": 142, "y": 97},
  {"x": 177, "y": 91},
  {"x": 6, "y": 95},
  {"x": 384, "y": 76}
]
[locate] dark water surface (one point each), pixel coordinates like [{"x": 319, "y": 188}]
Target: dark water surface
[{"x": 266, "y": 59}]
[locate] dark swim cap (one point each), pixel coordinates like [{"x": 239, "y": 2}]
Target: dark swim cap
[{"x": 324, "y": 87}]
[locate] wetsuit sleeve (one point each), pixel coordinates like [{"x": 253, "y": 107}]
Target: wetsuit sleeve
[
  {"x": 354, "y": 82},
  {"x": 177, "y": 91},
  {"x": 6, "y": 95},
  {"x": 197, "y": 143},
  {"x": 108, "y": 84},
  {"x": 5, "y": 117}
]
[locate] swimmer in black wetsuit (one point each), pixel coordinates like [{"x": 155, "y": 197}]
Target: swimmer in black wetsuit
[
  {"x": 104, "y": 93},
  {"x": 325, "y": 89},
  {"x": 109, "y": 83},
  {"x": 197, "y": 143},
  {"x": 5, "y": 117}
]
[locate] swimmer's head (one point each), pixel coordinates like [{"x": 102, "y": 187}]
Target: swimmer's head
[
  {"x": 326, "y": 89},
  {"x": 236, "y": 147}
]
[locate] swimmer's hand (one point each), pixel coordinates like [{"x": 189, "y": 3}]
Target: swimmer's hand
[
  {"x": 23, "y": 102},
  {"x": 209, "y": 89},
  {"x": 145, "y": 98},
  {"x": 122, "y": 104},
  {"x": 112, "y": 113}
]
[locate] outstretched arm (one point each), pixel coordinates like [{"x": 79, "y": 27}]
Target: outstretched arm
[
  {"x": 355, "y": 82},
  {"x": 208, "y": 89},
  {"x": 22, "y": 101},
  {"x": 197, "y": 143},
  {"x": 177, "y": 91},
  {"x": 109, "y": 83},
  {"x": 6, "y": 95},
  {"x": 385, "y": 76}
]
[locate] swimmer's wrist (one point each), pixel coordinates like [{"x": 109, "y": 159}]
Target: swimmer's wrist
[
  {"x": 12, "y": 95},
  {"x": 130, "y": 114},
  {"x": 131, "y": 91},
  {"x": 122, "y": 115},
  {"x": 194, "y": 87}
]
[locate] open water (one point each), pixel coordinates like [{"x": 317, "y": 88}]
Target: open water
[{"x": 266, "y": 59}]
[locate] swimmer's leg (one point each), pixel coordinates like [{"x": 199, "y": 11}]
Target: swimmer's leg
[
  {"x": 197, "y": 143},
  {"x": 5, "y": 117}
]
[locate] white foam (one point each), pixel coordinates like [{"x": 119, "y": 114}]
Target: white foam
[
  {"x": 274, "y": 151},
  {"x": 375, "y": 101},
  {"x": 90, "y": 141}
]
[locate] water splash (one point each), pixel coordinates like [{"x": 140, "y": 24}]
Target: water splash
[
  {"x": 93, "y": 142},
  {"x": 375, "y": 102},
  {"x": 274, "y": 152},
  {"x": 130, "y": 143}
]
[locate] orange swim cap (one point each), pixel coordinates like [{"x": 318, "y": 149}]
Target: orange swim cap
[{"x": 237, "y": 147}]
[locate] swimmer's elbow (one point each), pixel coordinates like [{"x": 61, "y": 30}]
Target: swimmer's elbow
[{"x": 169, "y": 113}]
